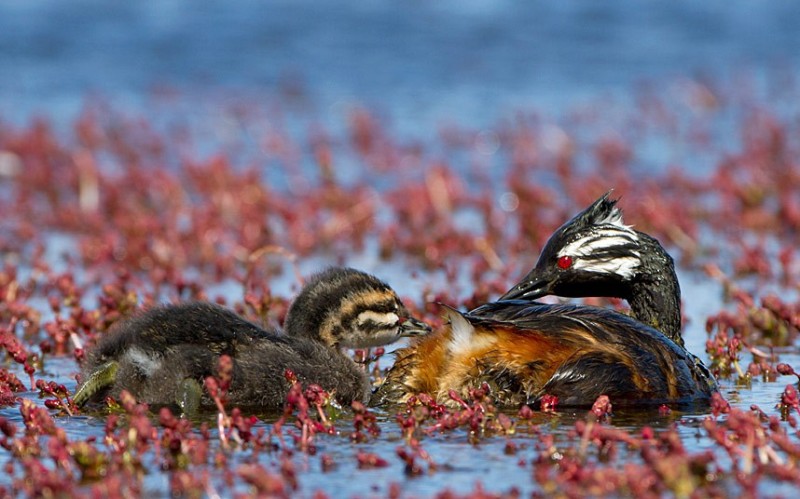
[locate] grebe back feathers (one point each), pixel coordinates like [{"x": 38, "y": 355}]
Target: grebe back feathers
[{"x": 526, "y": 350}]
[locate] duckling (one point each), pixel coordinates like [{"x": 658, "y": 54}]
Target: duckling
[
  {"x": 163, "y": 355},
  {"x": 525, "y": 350},
  {"x": 596, "y": 254}
]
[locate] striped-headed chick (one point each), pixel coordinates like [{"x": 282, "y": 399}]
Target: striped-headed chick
[{"x": 163, "y": 355}]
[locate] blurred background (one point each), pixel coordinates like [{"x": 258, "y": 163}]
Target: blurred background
[
  {"x": 164, "y": 150},
  {"x": 418, "y": 63}
]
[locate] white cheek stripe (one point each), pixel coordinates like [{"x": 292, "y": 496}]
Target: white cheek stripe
[
  {"x": 603, "y": 238},
  {"x": 582, "y": 247},
  {"x": 623, "y": 266},
  {"x": 389, "y": 319},
  {"x": 383, "y": 337}
]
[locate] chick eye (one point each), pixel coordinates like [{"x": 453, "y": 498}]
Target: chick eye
[{"x": 564, "y": 262}]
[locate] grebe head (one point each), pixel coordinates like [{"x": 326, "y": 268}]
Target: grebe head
[
  {"x": 343, "y": 307},
  {"x": 594, "y": 254}
]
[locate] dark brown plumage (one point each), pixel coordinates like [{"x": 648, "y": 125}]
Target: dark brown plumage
[
  {"x": 525, "y": 350},
  {"x": 163, "y": 355}
]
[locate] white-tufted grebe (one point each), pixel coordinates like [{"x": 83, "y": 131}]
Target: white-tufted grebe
[
  {"x": 596, "y": 254},
  {"x": 525, "y": 350}
]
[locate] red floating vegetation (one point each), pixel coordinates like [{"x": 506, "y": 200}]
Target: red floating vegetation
[
  {"x": 549, "y": 403},
  {"x": 119, "y": 213}
]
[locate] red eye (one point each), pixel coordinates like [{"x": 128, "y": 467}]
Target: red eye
[{"x": 565, "y": 262}]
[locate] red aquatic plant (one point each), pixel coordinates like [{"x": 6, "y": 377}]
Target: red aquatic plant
[
  {"x": 364, "y": 423},
  {"x": 142, "y": 217},
  {"x": 367, "y": 460},
  {"x": 298, "y": 405},
  {"x": 61, "y": 401}
]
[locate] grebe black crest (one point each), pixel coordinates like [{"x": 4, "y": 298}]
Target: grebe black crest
[{"x": 596, "y": 254}]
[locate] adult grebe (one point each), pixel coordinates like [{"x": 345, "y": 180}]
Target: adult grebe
[{"x": 525, "y": 350}]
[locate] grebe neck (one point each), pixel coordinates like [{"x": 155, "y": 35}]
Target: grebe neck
[{"x": 654, "y": 295}]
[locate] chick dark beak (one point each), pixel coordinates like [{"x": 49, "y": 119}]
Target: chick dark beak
[
  {"x": 530, "y": 288},
  {"x": 414, "y": 327}
]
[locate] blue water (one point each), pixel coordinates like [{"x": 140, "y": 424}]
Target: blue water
[
  {"x": 422, "y": 63},
  {"x": 419, "y": 65}
]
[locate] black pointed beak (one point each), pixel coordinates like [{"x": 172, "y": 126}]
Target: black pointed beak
[
  {"x": 414, "y": 327},
  {"x": 530, "y": 288}
]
